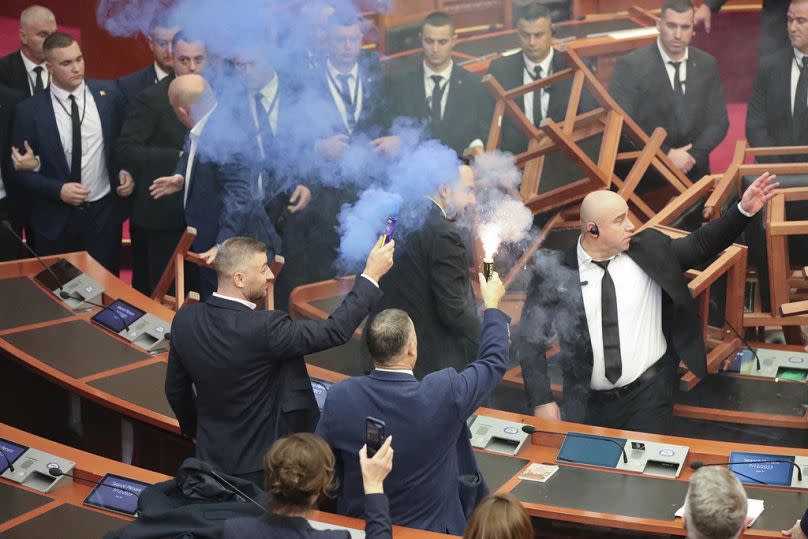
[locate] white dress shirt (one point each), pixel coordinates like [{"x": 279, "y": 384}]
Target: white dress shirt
[
  {"x": 94, "y": 173},
  {"x": 527, "y": 77},
  {"x": 249, "y": 304},
  {"x": 429, "y": 85},
  {"x": 671, "y": 70},
  {"x": 159, "y": 72},
  {"x": 402, "y": 371},
  {"x": 334, "y": 86},
  {"x": 796, "y": 66},
  {"x": 194, "y": 134},
  {"x": 639, "y": 313},
  {"x": 29, "y": 71}
]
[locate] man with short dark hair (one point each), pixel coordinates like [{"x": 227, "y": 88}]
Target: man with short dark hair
[
  {"x": 672, "y": 85},
  {"x": 538, "y": 60},
  {"x": 77, "y": 189},
  {"x": 715, "y": 506},
  {"x": 433, "y": 484},
  {"x": 161, "y": 32},
  {"x": 150, "y": 145},
  {"x": 443, "y": 95},
  {"x": 25, "y": 69},
  {"x": 236, "y": 378}
]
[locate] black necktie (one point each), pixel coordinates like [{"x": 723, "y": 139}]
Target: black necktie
[
  {"x": 611, "y": 329},
  {"x": 678, "y": 89},
  {"x": 345, "y": 93},
  {"x": 38, "y": 84},
  {"x": 75, "y": 157},
  {"x": 800, "y": 104},
  {"x": 537, "y": 115},
  {"x": 264, "y": 127},
  {"x": 437, "y": 97}
]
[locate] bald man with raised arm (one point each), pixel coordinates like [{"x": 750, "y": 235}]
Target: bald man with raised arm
[{"x": 620, "y": 307}]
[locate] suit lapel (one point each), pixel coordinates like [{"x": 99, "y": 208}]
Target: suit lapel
[
  {"x": 454, "y": 97},
  {"x": 657, "y": 267},
  {"x": 105, "y": 112},
  {"x": 22, "y": 75},
  {"x": 50, "y": 131},
  {"x": 573, "y": 288}
]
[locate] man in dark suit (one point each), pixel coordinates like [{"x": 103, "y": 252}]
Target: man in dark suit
[
  {"x": 777, "y": 113},
  {"x": 538, "y": 60},
  {"x": 773, "y": 36},
  {"x": 426, "y": 419},
  {"x": 150, "y": 145},
  {"x": 215, "y": 174},
  {"x": 624, "y": 317},
  {"x": 77, "y": 189},
  {"x": 443, "y": 95},
  {"x": 672, "y": 85},
  {"x": 431, "y": 282},
  {"x": 9, "y": 191},
  {"x": 161, "y": 34},
  {"x": 25, "y": 70},
  {"x": 236, "y": 378}
]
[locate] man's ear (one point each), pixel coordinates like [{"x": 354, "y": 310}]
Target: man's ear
[{"x": 443, "y": 190}]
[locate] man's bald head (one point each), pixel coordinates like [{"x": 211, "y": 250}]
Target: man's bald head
[
  {"x": 36, "y": 24},
  {"x": 455, "y": 197},
  {"x": 606, "y": 228},
  {"x": 598, "y": 203},
  {"x": 190, "y": 97}
]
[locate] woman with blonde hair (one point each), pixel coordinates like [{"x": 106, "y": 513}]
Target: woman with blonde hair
[
  {"x": 298, "y": 469},
  {"x": 499, "y": 516}
]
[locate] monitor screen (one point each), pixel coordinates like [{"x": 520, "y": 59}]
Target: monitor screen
[
  {"x": 117, "y": 493},
  {"x": 320, "y": 388},
  {"x": 64, "y": 271},
  {"x": 770, "y": 473},
  {"x": 11, "y": 452},
  {"x": 117, "y": 316},
  {"x": 591, "y": 449}
]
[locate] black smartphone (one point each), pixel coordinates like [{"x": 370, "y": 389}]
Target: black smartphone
[{"x": 374, "y": 434}]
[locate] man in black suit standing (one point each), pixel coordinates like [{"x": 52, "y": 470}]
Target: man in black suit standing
[
  {"x": 9, "y": 209},
  {"x": 430, "y": 282},
  {"x": 620, "y": 306},
  {"x": 538, "y": 60},
  {"x": 150, "y": 145},
  {"x": 25, "y": 70},
  {"x": 77, "y": 189},
  {"x": 161, "y": 33},
  {"x": 672, "y": 85},
  {"x": 236, "y": 378},
  {"x": 443, "y": 95}
]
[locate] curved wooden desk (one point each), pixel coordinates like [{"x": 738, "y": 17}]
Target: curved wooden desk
[
  {"x": 132, "y": 387},
  {"x": 34, "y": 509}
]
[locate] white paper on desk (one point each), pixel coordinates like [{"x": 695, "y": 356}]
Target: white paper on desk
[
  {"x": 753, "y": 510},
  {"x": 634, "y": 32}
]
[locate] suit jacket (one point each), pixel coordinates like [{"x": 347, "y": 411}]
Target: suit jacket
[
  {"x": 554, "y": 301},
  {"x": 272, "y": 526},
  {"x": 132, "y": 84},
  {"x": 221, "y": 202},
  {"x": 35, "y": 121},
  {"x": 13, "y": 73},
  {"x": 236, "y": 378},
  {"x": 509, "y": 72},
  {"x": 9, "y": 97},
  {"x": 641, "y": 86},
  {"x": 769, "y": 121},
  {"x": 427, "y": 420},
  {"x": 466, "y": 115},
  {"x": 430, "y": 281},
  {"x": 149, "y": 147}
]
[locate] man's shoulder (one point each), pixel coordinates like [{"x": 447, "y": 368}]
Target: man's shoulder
[
  {"x": 641, "y": 57},
  {"x": 506, "y": 64},
  {"x": 32, "y": 104},
  {"x": 778, "y": 61},
  {"x": 703, "y": 58},
  {"x": 10, "y": 59}
]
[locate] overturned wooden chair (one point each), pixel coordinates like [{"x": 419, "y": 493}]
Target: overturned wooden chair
[{"x": 175, "y": 273}]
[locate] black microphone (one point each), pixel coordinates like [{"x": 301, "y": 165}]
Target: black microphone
[
  {"x": 10, "y": 466},
  {"x": 64, "y": 294},
  {"x": 699, "y": 464},
  {"x": 7, "y": 225},
  {"x": 57, "y": 472},
  {"x": 208, "y": 469},
  {"x": 530, "y": 429},
  {"x": 714, "y": 304}
]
